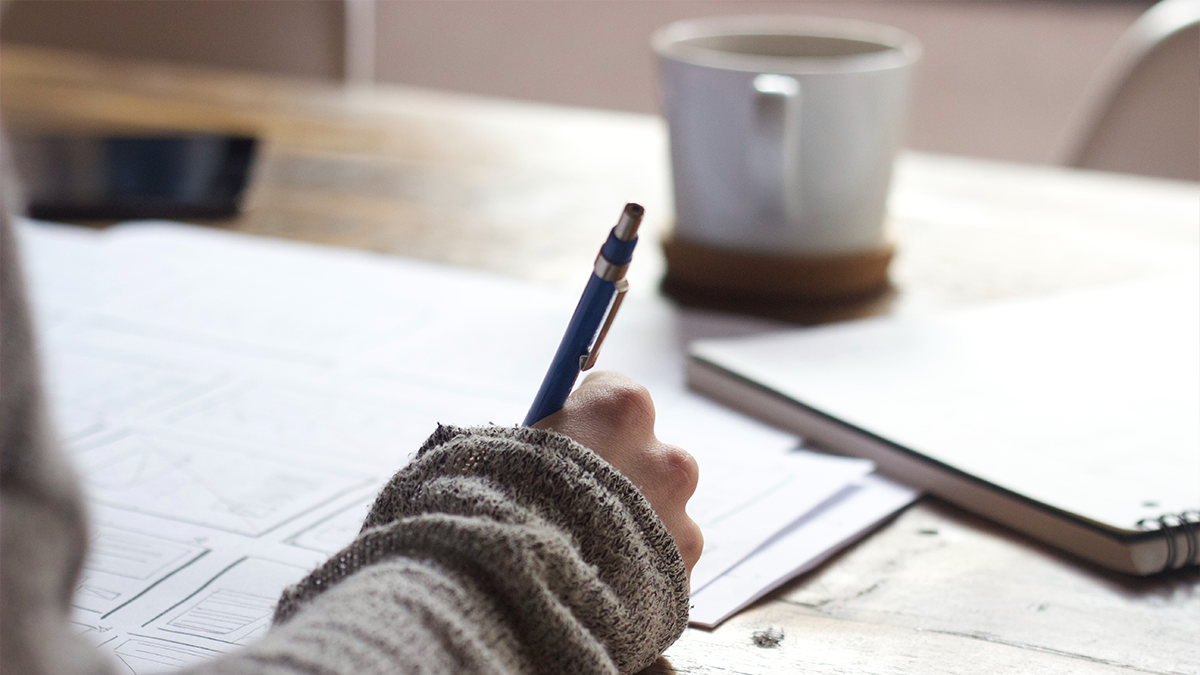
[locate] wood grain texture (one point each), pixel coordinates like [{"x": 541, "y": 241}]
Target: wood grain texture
[
  {"x": 941, "y": 591},
  {"x": 527, "y": 191}
]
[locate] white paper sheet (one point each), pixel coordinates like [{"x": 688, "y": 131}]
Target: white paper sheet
[
  {"x": 234, "y": 403},
  {"x": 800, "y": 547}
]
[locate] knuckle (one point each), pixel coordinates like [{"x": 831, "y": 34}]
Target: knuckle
[
  {"x": 626, "y": 404},
  {"x": 680, "y": 470},
  {"x": 690, "y": 541}
]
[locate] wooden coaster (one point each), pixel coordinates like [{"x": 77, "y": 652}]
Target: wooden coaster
[{"x": 803, "y": 289}]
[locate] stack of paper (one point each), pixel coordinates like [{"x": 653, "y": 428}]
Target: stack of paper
[{"x": 234, "y": 403}]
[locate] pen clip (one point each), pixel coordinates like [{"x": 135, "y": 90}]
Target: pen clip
[{"x": 589, "y": 359}]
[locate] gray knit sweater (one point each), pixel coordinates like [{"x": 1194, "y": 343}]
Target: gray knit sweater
[{"x": 497, "y": 550}]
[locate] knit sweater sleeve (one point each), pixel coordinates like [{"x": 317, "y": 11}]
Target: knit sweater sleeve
[{"x": 497, "y": 550}]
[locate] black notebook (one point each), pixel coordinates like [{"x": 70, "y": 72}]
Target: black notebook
[{"x": 1073, "y": 418}]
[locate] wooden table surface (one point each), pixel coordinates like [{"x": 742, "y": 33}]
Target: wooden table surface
[{"x": 527, "y": 190}]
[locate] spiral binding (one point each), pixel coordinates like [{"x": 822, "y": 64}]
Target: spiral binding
[{"x": 1185, "y": 522}]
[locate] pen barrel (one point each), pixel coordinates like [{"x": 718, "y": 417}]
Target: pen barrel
[
  {"x": 617, "y": 251},
  {"x": 564, "y": 369}
]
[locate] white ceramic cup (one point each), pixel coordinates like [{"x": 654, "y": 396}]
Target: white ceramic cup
[{"x": 783, "y": 130}]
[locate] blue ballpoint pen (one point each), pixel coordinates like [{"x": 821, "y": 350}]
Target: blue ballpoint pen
[{"x": 601, "y": 298}]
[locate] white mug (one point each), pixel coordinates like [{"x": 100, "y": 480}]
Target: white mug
[{"x": 783, "y": 130}]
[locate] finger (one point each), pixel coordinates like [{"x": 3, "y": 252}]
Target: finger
[
  {"x": 609, "y": 413},
  {"x": 598, "y": 376},
  {"x": 689, "y": 539},
  {"x": 676, "y": 473},
  {"x": 598, "y": 386}
]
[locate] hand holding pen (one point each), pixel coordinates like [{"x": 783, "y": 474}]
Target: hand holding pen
[
  {"x": 610, "y": 413},
  {"x": 614, "y": 417},
  {"x": 592, "y": 318}
]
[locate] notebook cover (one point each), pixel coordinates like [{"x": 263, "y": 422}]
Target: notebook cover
[{"x": 1087, "y": 403}]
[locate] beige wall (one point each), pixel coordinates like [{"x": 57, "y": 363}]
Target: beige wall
[{"x": 1000, "y": 79}]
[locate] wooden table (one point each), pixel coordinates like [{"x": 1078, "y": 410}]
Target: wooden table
[{"x": 526, "y": 190}]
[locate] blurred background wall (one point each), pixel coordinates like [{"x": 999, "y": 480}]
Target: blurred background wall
[
  {"x": 303, "y": 37},
  {"x": 1000, "y": 78}
]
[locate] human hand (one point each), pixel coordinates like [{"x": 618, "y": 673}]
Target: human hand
[{"x": 614, "y": 417}]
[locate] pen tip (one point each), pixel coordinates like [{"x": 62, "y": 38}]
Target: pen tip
[{"x": 631, "y": 217}]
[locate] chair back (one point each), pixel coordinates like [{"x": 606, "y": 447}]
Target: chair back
[{"x": 1143, "y": 111}]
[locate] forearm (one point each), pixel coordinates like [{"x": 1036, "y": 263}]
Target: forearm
[
  {"x": 397, "y": 616},
  {"x": 497, "y": 550}
]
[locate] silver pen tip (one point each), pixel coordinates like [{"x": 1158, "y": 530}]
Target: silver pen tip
[{"x": 627, "y": 226}]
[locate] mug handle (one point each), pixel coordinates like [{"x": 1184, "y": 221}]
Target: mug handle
[{"x": 774, "y": 167}]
